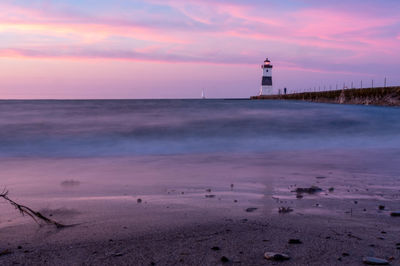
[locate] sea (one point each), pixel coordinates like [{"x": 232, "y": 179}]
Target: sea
[
  {"x": 112, "y": 128},
  {"x": 92, "y": 160}
]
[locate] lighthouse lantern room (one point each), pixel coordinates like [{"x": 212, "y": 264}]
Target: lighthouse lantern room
[{"x": 266, "y": 82}]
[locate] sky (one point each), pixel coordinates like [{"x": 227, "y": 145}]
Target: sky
[{"x": 73, "y": 49}]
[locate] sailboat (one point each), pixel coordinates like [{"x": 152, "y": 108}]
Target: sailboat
[{"x": 203, "y": 95}]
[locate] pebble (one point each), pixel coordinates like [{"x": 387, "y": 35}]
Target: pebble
[
  {"x": 139, "y": 200},
  {"x": 309, "y": 190},
  {"x": 375, "y": 261},
  {"x": 210, "y": 196},
  {"x": 251, "y": 209},
  {"x": 215, "y": 248},
  {"x": 395, "y": 214},
  {"x": 381, "y": 207},
  {"x": 331, "y": 189},
  {"x": 276, "y": 256},
  {"x": 295, "y": 241},
  {"x": 224, "y": 259}
]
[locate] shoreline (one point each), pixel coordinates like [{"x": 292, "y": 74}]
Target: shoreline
[
  {"x": 380, "y": 96},
  {"x": 177, "y": 224}
]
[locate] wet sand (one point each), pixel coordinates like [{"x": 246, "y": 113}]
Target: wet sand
[{"x": 176, "y": 224}]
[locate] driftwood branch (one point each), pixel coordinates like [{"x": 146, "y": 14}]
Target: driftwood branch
[{"x": 24, "y": 210}]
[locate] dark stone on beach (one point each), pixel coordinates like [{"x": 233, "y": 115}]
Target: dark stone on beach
[
  {"x": 395, "y": 214},
  {"x": 299, "y": 196},
  {"x": 19, "y": 247},
  {"x": 244, "y": 220},
  {"x": 383, "y": 232},
  {"x": 320, "y": 177},
  {"x": 208, "y": 189},
  {"x": 231, "y": 186},
  {"x": 139, "y": 200},
  {"x": 331, "y": 189},
  {"x": 118, "y": 254},
  {"x": 285, "y": 209},
  {"x": 251, "y": 209},
  {"x": 224, "y": 259},
  {"x": 375, "y": 261},
  {"x": 276, "y": 256},
  {"x": 381, "y": 207},
  {"x": 295, "y": 241},
  {"x": 215, "y": 248},
  {"x": 210, "y": 196},
  {"x": 235, "y": 201},
  {"x": 309, "y": 190},
  {"x": 152, "y": 263},
  {"x": 364, "y": 209},
  {"x": 355, "y": 202},
  {"x": 345, "y": 254}
]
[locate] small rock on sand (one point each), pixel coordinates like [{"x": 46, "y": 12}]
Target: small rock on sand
[
  {"x": 309, "y": 190},
  {"x": 210, "y": 196},
  {"x": 139, "y": 200},
  {"x": 285, "y": 209},
  {"x": 395, "y": 214},
  {"x": 276, "y": 256},
  {"x": 224, "y": 259},
  {"x": 251, "y": 209},
  {"x": 381, "y": 207},
  {"x": 295, "y": 241},
  {"x": 375, "y": 261}
]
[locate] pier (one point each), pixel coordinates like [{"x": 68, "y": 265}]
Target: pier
[{"x": 383, "y": 96}]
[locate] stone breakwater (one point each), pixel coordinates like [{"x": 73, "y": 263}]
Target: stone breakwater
[{"x": 383, "y": 96}]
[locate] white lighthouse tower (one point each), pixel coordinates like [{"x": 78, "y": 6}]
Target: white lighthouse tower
[{"x": 266, "y": 82}]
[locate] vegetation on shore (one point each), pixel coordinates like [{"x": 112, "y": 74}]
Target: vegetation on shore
[{"x": 384, "y": 96}]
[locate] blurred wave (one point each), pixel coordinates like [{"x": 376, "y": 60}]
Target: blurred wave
[{"x": 76, "y": 128}]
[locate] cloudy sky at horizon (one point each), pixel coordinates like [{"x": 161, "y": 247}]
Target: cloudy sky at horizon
[{"x": 176, "y": 48}]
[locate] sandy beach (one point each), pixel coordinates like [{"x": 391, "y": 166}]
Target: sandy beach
[{"x": 196, "y": 215}]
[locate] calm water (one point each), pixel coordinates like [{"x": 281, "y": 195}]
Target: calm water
[
  {"x": 91, "y": 128},
  {"x": 98, "y": 157}
]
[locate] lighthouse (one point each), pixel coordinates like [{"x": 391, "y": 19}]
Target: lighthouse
[{"x": 266, "y": 82}]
